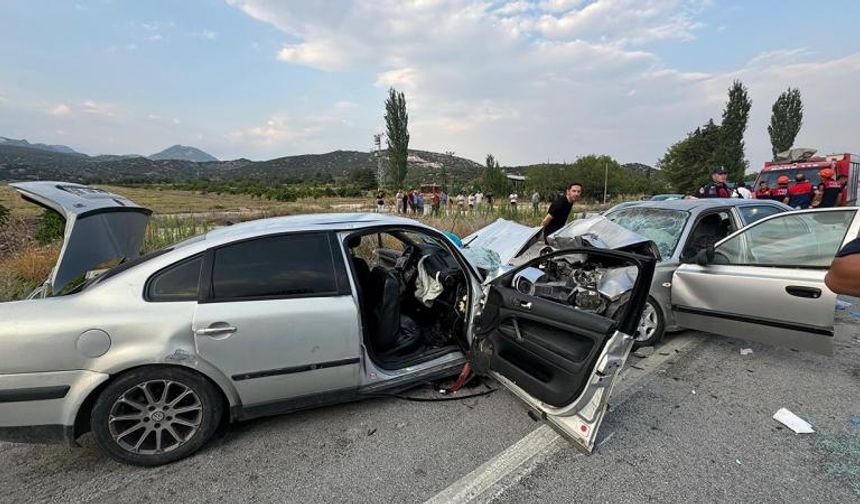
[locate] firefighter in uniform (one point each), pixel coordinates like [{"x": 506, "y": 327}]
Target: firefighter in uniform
[
  {"x": 828, "y": 191},
  {"x": 717, "y": 188},
  {"x": 801, "y": 193},
  {"x": 780, "y": 192}
]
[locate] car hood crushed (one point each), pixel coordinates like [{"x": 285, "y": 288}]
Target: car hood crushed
[
  {"x": 516, "y": 243},
  {"x": 100, "y": 227}
]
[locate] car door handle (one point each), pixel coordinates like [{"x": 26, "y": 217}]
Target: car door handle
[
  {"x": 800, "y": 291},
  {"x": 215, "y": 331},
  {"x": 526, "y": 305}
]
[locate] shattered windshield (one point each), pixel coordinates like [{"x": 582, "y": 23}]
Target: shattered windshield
[{"x": 660, "y": 225}]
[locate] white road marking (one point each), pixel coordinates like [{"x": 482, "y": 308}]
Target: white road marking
[{"x": 499, "y": 473}]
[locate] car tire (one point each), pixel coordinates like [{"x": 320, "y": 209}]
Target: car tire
[
  {"x": 156, "y": 415},
  {"x": 652, "y": 325}
]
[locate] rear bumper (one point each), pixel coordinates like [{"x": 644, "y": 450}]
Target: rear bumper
[{"x": 42, "y": 407}]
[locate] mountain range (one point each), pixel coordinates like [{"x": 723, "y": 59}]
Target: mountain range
[{"x": 21, "y": 160}]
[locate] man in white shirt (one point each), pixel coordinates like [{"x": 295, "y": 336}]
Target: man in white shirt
[{"x": 741, "y": 191}]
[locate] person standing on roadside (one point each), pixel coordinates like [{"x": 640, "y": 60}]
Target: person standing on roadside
[
  {"x": 828, "y": 191},
  {"x": 398, "y": 201},
  {"x": 717, "y": 188},
  {"x": 435, "y": 201},
  {"x": 800, "y": 195},
  {"x": 535, "y": 202},
  {"x": 560, "y": 208},
  {"x": 780, "y": 192},
  {"x": 763, "y": 191},
  {"x": 513, "y": 197},
  {"x": 380, "y": 201},
  {"x": 741, "y": 191}
]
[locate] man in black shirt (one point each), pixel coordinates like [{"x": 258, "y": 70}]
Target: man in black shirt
[{"x": 559, "y": 210}]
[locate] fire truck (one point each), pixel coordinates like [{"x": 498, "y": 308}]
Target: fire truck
[{"x": 846, "y": 167}]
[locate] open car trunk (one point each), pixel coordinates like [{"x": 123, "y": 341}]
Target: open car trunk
[{"x": 101, "y": 228}]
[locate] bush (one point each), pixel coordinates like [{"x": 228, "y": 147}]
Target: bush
[
  {"x": 4, "y": 215},
  {"x": 51, "y": 227}
]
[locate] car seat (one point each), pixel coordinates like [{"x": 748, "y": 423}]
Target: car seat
[{"x": 389, "y": 332}]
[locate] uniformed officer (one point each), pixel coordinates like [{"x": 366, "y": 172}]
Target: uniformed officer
[
  {"x": 828, "y": 191},
  {"x": 780, "y": 192},
  {"x": 717, "y": 188},
  {"x": 801, "y": 193}
]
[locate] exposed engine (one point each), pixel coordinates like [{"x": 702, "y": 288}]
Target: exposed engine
[{"x": 589, "y": 284}]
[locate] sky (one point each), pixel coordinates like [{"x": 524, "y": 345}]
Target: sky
[{"x": 528, "y": 81}]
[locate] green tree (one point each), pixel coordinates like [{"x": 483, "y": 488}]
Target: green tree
[
  {"x": 363, "y": 178},
  {"x": 687, "y": 164},
  {"x": 493, "y": 178},
  {"x": 397, "y": 125},
  {"x": 786, "y": 119},
  {"x": 730, "y": 148}
]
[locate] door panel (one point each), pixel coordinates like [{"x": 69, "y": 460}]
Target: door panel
[
  {"x": 753, "y": 303},
  {"x": 767, "y": 281},
  {"x": 551, "y": 331},
  {"x": 282, "y": 348},
  {"x": 545, "y": 350}
]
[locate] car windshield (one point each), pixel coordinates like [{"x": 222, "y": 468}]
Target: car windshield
[
  {"x": 771, "y": 177},
  {"x": 660, "y": 225}
]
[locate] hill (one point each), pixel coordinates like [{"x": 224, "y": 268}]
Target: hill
[
  {"x": 38, "y": 146},
  {"x": 25, "y": 163},
  {"x": 183, "y": 153}
]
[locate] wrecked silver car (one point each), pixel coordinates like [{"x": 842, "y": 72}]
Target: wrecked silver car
[
  {"x": 743, "y": 268},
  {"x": 282, "y": 314}
]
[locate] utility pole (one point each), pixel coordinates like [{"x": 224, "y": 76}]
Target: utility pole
[
  {"x": 380, "y": 171},
  {"x": 605, "y": 180}
]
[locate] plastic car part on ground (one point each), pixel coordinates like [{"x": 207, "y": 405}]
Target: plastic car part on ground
[{"x": 793, "y": 422}]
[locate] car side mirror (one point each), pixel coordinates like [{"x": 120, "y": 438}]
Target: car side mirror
[{"x": 705, "y": 256}]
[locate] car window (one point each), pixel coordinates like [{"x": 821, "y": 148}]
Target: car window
[
  {"x": 662, "y": 226},
  {"x": 280, "y": 266},
  {"x": 808, "y": 239},
  {"x": 708, "y": 230},
  {"x": 176, "y": 283},
  {"x": 751, "y": 214}
]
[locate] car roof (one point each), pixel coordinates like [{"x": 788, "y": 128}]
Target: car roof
[
  {"x": 690, "y": 205},
  {"x": 307, "y": 222}
]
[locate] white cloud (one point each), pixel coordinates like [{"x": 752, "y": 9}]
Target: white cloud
[
  {"x": 98, "y": 108},
  {"x": 155, "y": 38},
  {"x": 205, "y": 34},
  {"x": 60, "y": 110},
  {"x": 557, "y": 78}
]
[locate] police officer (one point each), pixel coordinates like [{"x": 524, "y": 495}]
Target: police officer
[
  {"x": 717, "y": 188},
  {"x": 828, "y": 191},
  {"x": 780, "y": 192},
  {"x": 801, "y": 193}
]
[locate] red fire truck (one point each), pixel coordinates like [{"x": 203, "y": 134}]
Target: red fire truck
[{"x": 845, "y": 166}]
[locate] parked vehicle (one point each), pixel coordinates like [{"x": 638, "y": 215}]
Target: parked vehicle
[
  {"x": 282, "y": 314},
  {"x": 771, "y": 290},
  {"x": 845, "y": 165}
]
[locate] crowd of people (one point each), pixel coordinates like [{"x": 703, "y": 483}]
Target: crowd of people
[
  {"x": 441, "y": 203},
  {"x": 801, "y": 194}
]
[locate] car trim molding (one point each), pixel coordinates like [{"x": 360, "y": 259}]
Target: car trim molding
[
  {"x": 756, "y": 320},
  {"x": 294, "y": 369},
  {"x": 34, "y": 393}
]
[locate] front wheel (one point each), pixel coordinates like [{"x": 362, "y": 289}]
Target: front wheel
[
  {"x": 651, "y": 325},
  {"x": 154, "y": 416}
]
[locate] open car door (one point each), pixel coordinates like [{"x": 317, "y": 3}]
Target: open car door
[
  {"x": 765, "y": 282},
  {"x": 555, "y": 331}
]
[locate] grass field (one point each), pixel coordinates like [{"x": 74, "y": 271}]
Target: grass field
[{"x": 181, "y": 214}]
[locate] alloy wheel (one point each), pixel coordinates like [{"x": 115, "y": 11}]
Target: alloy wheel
[
  {"x": 648, "y": 323},
  {"x": 154, "y": 417}
]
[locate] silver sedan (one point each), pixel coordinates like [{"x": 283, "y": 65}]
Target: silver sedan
[{"x": 283, "y": 314}]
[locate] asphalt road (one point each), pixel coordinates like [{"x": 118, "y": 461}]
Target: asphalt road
[{"x": 661, "y": 442}]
